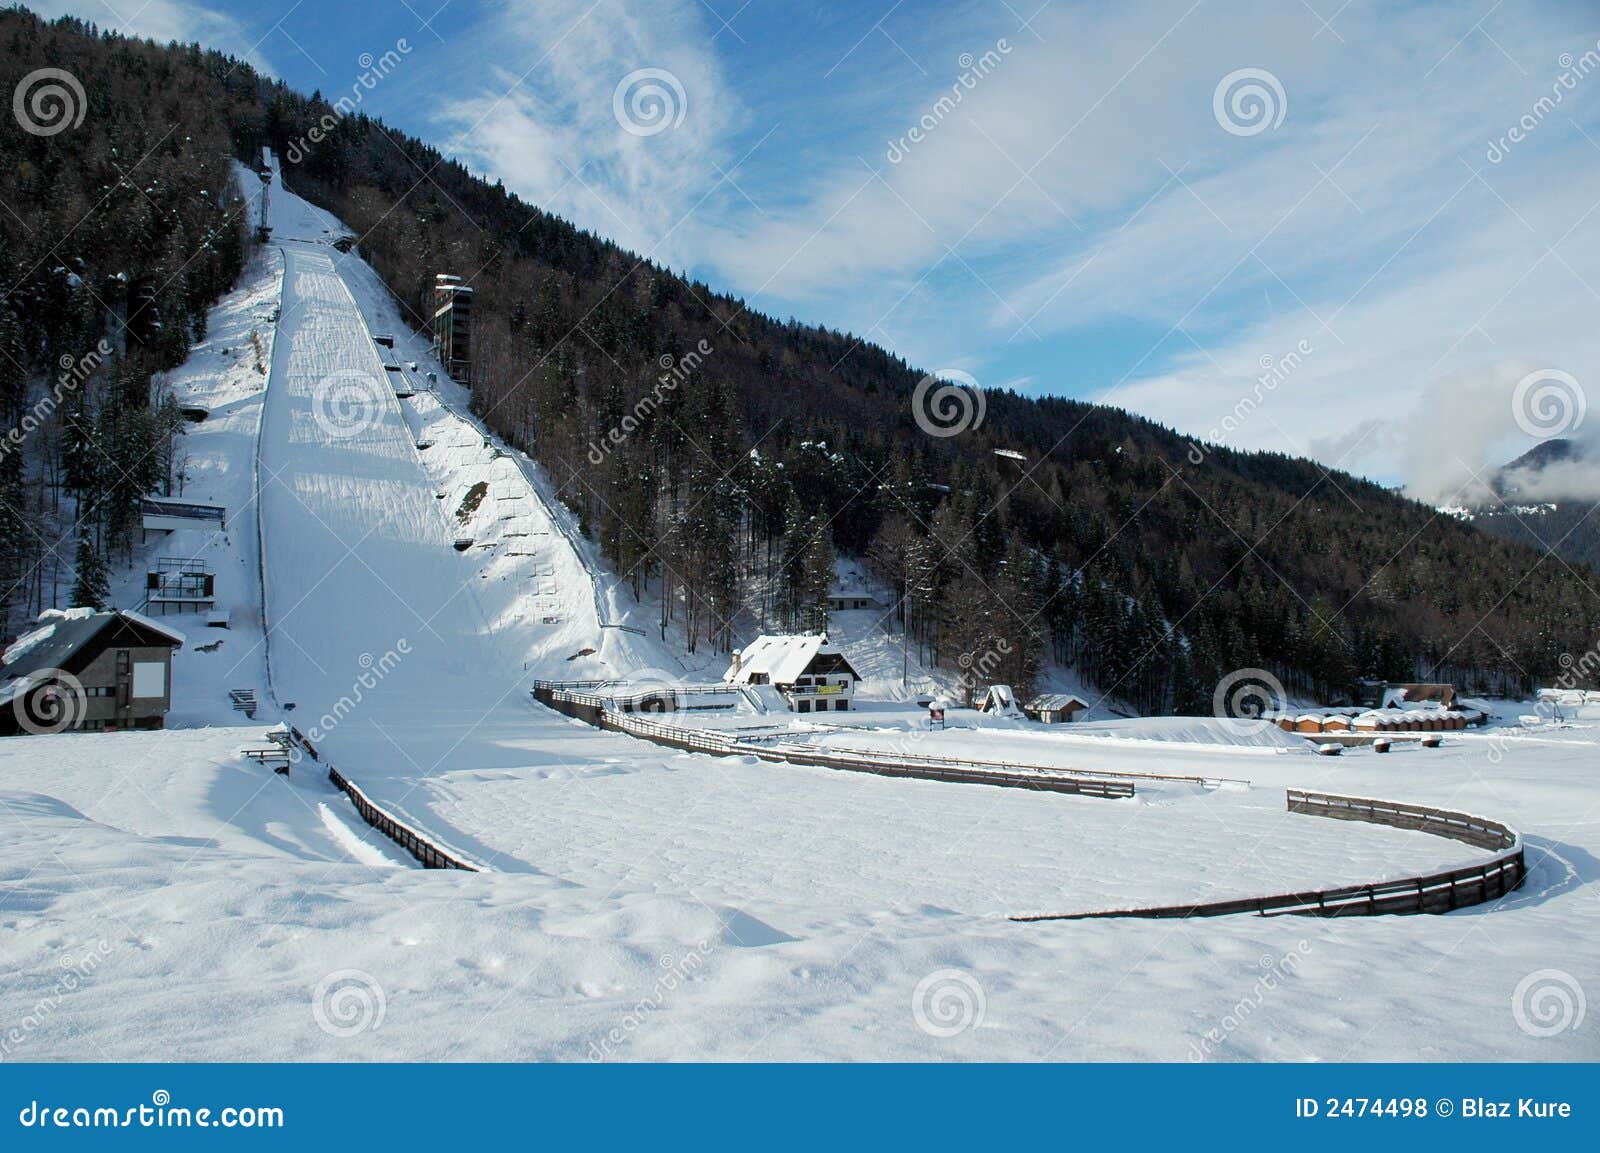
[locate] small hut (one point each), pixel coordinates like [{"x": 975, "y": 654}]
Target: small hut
[{"x": 1055, "y": 708}]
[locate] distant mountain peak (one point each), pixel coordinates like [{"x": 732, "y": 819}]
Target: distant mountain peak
[{"x": 1556, "y": 450}]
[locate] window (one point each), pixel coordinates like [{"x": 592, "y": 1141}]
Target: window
[
  {"x": 149, "y": 679},
  {"x": 840, "y": 705},
  {"x": 803, "y": 705}
]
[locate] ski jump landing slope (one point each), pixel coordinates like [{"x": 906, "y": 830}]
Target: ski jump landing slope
[{"x": 390, "y": 645}]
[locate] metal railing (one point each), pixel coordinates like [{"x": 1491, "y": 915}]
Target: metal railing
[
  {"x": 1432, "y": 893},
  {"x": 429, "y": 854},
  {"x": 574, "y": 699}
]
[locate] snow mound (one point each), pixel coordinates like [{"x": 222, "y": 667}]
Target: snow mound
[{"x": 1222, "y": 731}]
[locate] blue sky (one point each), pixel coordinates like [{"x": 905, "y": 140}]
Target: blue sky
[{"x": 1151, "y": 205}]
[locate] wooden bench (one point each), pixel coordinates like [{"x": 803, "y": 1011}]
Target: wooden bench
[
  {"x": 244, "y": 701},
  {"x": 272, "y": 756}
]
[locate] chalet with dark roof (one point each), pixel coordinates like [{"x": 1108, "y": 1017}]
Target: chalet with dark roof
[{"x": 88, "y": 670}]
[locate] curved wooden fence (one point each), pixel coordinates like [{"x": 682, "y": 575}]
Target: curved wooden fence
[
  {"x": 576, "y": 699},
  {"x": 1434, "y": 893},
  {"x": 402, "y": 834}
]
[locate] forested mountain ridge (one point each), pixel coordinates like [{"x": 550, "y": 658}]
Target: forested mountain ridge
[{"x": 772, "y": 443}]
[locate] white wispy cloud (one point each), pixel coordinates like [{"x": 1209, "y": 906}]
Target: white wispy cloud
[{"x": 542, "y": 115}]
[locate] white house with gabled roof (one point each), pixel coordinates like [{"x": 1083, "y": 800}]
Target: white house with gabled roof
[{"x": 812, "y": 675}]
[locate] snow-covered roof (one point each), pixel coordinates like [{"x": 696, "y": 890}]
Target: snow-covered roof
[
  {"x": 1000, "y": 699},
  {"x": 1056, "y": 702},
  {"x": 58, "y": 639},
  {"x": 781, "y": 658},
  {"x": 27, "y": 642},
  {"x": 167, "y": 631}
]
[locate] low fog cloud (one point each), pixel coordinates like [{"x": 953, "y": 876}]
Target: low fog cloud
[{"x": 1471, "y": 423}]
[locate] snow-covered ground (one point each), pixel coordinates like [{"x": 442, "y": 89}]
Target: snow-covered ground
[{"x": 641, "y": 904}]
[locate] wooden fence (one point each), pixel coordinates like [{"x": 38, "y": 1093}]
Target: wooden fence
[
  {"x": 1434, "y": 893},
  {"x": 402, "y": 834},
  {"x": 577, "y": 699}
]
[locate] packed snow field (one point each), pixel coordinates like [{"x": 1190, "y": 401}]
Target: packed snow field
[{"x": 157, "y": 891}]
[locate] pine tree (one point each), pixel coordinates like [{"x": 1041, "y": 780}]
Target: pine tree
[
  {"x": 92, "y": 588},
  {"x": 816, "y": 579}
]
